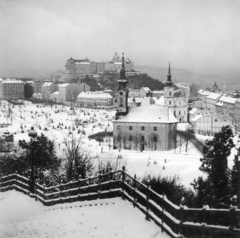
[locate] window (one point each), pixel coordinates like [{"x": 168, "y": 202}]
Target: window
[
  {"x": 130, "y": 138},
  {"x": 119, "y": 127},
  {"x": 121, "y": 102},
  {"x": 170, "y": 93},
  {"x": 155, "y": 139},
  {"x": 130, "y": 128},
  {"x": 142, "y": 128},
  {"x": 170, "y": 102},
  {"x": 155, "y": 128},
  {"x": 179, "y": 112},
  {"x": 142, "y": 138}
]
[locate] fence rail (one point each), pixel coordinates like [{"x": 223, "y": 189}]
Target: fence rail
[{"x": 176, "y": 221}]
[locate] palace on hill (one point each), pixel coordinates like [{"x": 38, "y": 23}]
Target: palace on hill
[
  {"x": 149, "y": 126},
  {"x": 80, "y": 68}
]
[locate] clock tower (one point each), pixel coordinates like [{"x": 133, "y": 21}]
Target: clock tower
[{"x": 122, "y": 92}]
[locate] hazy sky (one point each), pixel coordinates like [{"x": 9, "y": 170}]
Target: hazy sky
[{"x": 198, "y": 35}]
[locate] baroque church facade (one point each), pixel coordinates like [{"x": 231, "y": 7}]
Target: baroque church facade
[
  {"x": 176, "y": 100},
  {"x": 144, "y": 127}
]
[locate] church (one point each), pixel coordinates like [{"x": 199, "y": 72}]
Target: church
[{"x": 145, "y": 126}]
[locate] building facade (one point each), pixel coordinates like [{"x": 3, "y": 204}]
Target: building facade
[
  {"x": 237, "y": 115},
  {"x": 209, "y": 123},
  {"x": 47, "y": 89},
  {"x": 68, "y": 92},
  {"x": 28, "y": 89},
  {"x": 11, "y": 89},
  {"x": 95, "y": 100},
  {"x": 212, "y": 99}
]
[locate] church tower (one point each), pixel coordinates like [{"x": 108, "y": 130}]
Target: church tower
[
  {"x": 122, "y": 92},
  {"x": 169, "y": 90}
]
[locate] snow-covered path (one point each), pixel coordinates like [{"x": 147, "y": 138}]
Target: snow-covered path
[{"x": 23, "y": 217}]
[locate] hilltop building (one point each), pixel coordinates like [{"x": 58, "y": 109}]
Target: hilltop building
[
  {"x": 80, "y": 68},
  {"x": 142, "y": 126}
]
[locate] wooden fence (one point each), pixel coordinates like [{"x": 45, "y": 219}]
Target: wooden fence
[{"x": 176, "y": 221}]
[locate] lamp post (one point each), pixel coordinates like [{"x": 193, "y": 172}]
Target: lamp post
[{"x": 33, "y": 134}]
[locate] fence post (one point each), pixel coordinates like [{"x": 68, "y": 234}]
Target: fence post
[
  {"x": 99, "y": 186},
  {"x": 79, "y": 189},
  {"x": 123, "y": 181},
  {"x": 232, "y": 211},
  {"x": 1, "y": 182},
  {"x": 60, "y": 191},
  {"x": 44, "y": 194},
  {"x": 134, "y": 192},
  {"x": 147, "y": 203},
  {"x": 181, "y": 210}
]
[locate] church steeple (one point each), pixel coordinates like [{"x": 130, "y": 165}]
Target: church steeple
[
  {"x": 122, "y": 71},
  {"x": 169, "y": 82},
  {"x": 122, "y": 95}
]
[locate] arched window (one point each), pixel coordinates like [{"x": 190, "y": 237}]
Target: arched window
[
  {"x": 155, "y": 128},
  {"x": 142, "y": 138},
  {"x": 170, "y": 93},
  {"x": 142, "y": 128},
  {"x": 130, "y": 138},
  {"x": 170, "y": 102},
  {"x": 130, "y": 128},
  {"x": 179, "y": 112}
]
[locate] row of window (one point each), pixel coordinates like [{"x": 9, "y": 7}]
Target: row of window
[
  {"x": 142, "y": 128},
  {"x": 142, "y": 138}
]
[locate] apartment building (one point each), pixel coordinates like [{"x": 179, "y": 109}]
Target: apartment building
[{"x": 11, "y": 89}]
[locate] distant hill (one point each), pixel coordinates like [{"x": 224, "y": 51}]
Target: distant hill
[{"x": 183, "y": 75}]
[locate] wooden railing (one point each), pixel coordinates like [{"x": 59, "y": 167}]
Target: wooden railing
[{"x": 176, "y": 221}]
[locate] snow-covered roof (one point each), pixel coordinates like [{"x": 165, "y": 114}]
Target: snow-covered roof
[
  {"x": 214, "y": 96},
  {"x": 228, "y": 99},
  {"x": 160, "y": 101},
  {"x": 47, "y": 84},
  {"x": 94, "y": 95},
  {"x": 205, "y": 93},
  {"x": 146, "y": 89},
  {"x": 62, "y": 85},
  {"x": 11, "y": 81},
  {"x": 55, "y": 93},
  {"x": 149, "y": 114},
  {"x": 197, "y": 117},
  {"x": 193, "y": 110},
  {"x": 201, "y": 90}
]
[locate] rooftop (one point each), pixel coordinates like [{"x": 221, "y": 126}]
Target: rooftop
[
  {"x": 149, "y": 114},
  {"x": 227, "y": 99},
  {"x": 94, "y": 95},
  {"x": 214, "y": 96},
  {"x": 46, "y": 84}
]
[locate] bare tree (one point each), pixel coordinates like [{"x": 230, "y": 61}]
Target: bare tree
[{"x": 78, "y": 159}]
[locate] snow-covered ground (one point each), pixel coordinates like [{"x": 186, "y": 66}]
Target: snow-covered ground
[
  {"x": 56, "y": 122},
  {"x": 23, "y": 217}
]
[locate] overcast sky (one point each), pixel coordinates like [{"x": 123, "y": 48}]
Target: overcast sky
[{"x": 198, "y": 35}]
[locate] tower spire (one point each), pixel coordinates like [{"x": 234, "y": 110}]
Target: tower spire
[
  {"x": 169, "y": 69},
  {"x": 169, "y": 82},
  {"x": 122, "y": 71}
]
